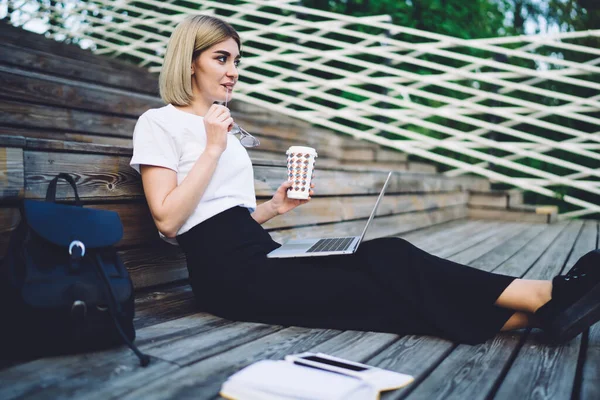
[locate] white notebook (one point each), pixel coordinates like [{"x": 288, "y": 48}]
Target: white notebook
[{"x": 282, "y": 380}]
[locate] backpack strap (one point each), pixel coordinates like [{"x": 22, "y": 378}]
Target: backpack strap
[
  {"x": 51, "y": 192},
  {"x": 114, "y": 308}
]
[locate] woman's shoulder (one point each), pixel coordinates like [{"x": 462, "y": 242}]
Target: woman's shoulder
[{"x": 160, "y": 114}]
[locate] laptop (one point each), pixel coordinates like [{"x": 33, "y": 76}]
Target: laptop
[{"x": 327, "y": 246}]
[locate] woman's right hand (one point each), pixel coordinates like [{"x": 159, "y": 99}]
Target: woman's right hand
[{"x": 217, "y": 122}]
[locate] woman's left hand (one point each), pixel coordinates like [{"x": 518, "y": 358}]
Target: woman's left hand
[{"x": 282, "y": 204}]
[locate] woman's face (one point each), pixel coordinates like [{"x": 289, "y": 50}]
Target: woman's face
[{"x": 215, "y": 72}]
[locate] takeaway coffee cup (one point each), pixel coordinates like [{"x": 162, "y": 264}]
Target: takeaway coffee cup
[{"x": 300, "y": 167}]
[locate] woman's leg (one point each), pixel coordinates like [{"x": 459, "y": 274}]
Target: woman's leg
[
  {"x": 519, "y": 320},
  {"x": 525, "y": 295}
]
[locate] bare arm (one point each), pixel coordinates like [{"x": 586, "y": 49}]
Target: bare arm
[
  {"x": 171, "y": 204},
  {"x": 279, "y": 204}
]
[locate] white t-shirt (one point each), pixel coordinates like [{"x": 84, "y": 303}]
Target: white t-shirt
[{"x": 174, "y": 139}]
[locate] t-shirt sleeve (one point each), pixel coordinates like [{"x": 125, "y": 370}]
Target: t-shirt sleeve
[{"x": 153, "y": 145}]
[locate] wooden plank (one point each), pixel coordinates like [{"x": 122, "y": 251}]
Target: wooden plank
[
  {"x": 92, "y": 71},
  {"x": 39, "y": 88},
  {"x": 468, "y": 372},
  {"x": 356, "y": 345},
  {"x": 159, "y": 264},
  {"x": 532, "y": 251},
  {"x": 384, "y": 154},
  {"x": 540, "y": 368},
  {"x": 62, "y": 375},
  {"x": 29, "y": 41},
  {"x": 28, "y": 115},
  {"x": 97, "y": 176},
  {"x": 508, "y": 249},
  {"x": 280, "y": 146},
  {"x": 203, "y": 379},
  {"x": 506, "y": 232},
  {"x": 337, "y": 209},
  {"x": 426, "y": 237},
  {"x": 164, "y": 306},
  {"x": 380, "y": 227},
  {"x": 11, "y": 173},
  {"x": 69, "y": 139},
  {"x": 508, "y": 215},
  {"x": 330, "y": 181},
  {"x": 414, "y": 355},
  {"x": 360, "y": 154},
  {"x": 9, "y": 219},
  {"x": 491, "y": 199},
  {"x": 448, "y": 246},
  {"x": 109, "y": 177}
]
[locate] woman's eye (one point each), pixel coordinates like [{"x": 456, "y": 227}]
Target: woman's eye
[
  {"x": 237, "y": 63},
  {"x": 222, "y": 59}
]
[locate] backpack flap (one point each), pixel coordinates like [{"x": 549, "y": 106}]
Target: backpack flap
[
  {"x": 50, "y": 277},
  {"x": 61, "y": 224}
]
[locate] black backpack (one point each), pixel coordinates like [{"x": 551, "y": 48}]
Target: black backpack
[{"x": 63, "y": 287}]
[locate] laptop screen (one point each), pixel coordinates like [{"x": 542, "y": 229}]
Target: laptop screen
[{"x": 385, "y": 185}]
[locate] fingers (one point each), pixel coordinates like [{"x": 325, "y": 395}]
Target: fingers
[{"x": 218, "y": 112}]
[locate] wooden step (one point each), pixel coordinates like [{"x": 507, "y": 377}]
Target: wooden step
[
  {"x": 28, "y": 50},
  {"x": 520, "y": 213},
  {"x": 496, "y": 198}
]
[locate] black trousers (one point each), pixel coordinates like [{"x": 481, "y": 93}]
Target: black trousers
[{"x": 388, "y": 285}]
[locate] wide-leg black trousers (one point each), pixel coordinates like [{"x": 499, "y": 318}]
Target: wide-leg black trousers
[{"x": 388, "y": 285}]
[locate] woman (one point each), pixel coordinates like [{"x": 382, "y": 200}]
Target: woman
[{"x": 198, "y": 181}]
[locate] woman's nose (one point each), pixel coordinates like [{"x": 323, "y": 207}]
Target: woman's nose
[{"x": 232, "y": 70}]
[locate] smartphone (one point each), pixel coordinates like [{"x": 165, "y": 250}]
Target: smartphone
[{"x": 380, "y": 378}]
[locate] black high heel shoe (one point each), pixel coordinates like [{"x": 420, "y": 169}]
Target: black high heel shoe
[{"x": 575, "y": 304}]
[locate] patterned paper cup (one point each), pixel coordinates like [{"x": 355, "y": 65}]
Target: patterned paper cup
[{"x": 300, "y": 167}]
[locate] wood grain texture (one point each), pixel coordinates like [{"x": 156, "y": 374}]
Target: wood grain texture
[
  {"x": 508, "y": 249},
  {"x": 203, "y": 379},
  {"x": 110, "y": 176},
  {"x": 380, "y": 227},
  {"x": 100, "y": 177},
  {"x": 62, "y": 376},
  {"x": 27, "y": 115},
  {"x": 159, "y": 264},
  {"x": 11, "y": 173},
  {"x": 69, "y": 139},
  {"x": 77, "y": 69},
  {"x": 71, "y": 54},
  {"x": 46, "y": 89},
  {"x": 507, "y": 215},
  {"x": 337, "y": 209},
  {"x": 532, "y": 251},
  {"x": 9, "y": 219},
  {"x": 468, "y": 371}
]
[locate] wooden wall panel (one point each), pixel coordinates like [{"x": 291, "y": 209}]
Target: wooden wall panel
[
  {"x": 99, "y": 177},
  {"x": 26, "y": 115},
  {"x": 37, "y": 88},
  {"x": 11, "y": 173}
]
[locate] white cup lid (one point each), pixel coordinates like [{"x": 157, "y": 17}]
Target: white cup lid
[{"x": 302, "y": 149}]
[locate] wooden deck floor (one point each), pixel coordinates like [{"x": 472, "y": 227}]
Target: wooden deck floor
[{"x": 193, "y": 353}]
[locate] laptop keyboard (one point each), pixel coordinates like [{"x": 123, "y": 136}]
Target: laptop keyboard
[{"x": 331, "y": 244}]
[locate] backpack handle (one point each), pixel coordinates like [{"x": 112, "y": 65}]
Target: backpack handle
[{"x": 51, "y": 192}]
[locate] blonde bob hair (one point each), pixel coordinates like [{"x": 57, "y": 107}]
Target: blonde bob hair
[{"x": 191, "y": 37}]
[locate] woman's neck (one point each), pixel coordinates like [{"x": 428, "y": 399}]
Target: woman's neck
[{"x": 195, "y": 108}]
